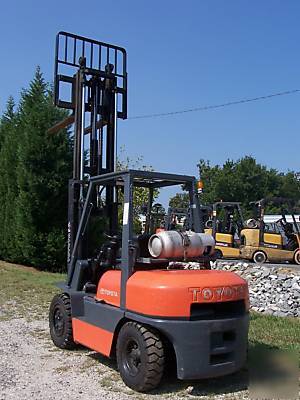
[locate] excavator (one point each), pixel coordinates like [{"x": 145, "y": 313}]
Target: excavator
[
  {"x": 120, "y": 297},
  {"x": 260, "y": 244}
]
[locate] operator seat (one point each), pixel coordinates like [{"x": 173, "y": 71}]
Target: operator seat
[
  {"x": 292, "y": 243},
  {"x": 142, "y": 245}
]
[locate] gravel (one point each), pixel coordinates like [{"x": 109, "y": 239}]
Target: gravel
[
  {"x": 274, "y": 290},
  {"x": 32, "y": 368}
]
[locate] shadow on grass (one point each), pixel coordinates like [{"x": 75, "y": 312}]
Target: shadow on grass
[{"x": 233, "y": 383}]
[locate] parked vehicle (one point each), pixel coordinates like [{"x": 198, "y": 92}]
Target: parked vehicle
[
  {"x": 120, "y": 298},
  {"x": 278, "y": 242},
  {"x": 225, "y": 225}
]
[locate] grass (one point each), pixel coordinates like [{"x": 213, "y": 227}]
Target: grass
[
  {"x": 27, "y": 292},
  {"x": 277, "y": 332}
]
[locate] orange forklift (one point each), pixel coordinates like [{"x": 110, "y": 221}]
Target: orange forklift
[{"x": 120, "y": 299}]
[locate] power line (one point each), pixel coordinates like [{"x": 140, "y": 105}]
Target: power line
[{"x": 211, "y": 107}]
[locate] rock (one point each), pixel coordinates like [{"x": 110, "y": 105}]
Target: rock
[
  {"x": 265, "y": 273},
  {"x": 282, "y": 277},
  {"x": 268, "y": 286},
  {"x": 287, "y": 284},
  {"x": 296, "y": 294},
  {"x": 280, "y": 314},
  {"x": 273, "y": 290}
]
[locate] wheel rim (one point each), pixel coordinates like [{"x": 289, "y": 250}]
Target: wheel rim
[
  {"x": 297, "y": 257},
  {"x": 58, "y": 322},
  {"x": 218, "y": 254},
  {"x": 132, "y": 357},
  {"x": 260, "y": 258}
]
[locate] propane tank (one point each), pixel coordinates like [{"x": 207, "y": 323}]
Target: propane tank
[
  {"x": 174, "y": 244},
  {"x": 252, "y": 223}
]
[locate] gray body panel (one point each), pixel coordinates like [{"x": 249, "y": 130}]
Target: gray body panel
[
  {"x": 204, "y": 348},
  {"x": 91, "y": 311}
]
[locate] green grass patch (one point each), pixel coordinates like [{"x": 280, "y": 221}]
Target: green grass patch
[
  {"x": 25, "y": 291},
  {"x": 277, "y": 332}
]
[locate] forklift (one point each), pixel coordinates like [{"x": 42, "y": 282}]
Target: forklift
[
  {"x": 260, "y": 244},
  {"x": 179, "y": 217},
  {"x": 225, "y": 225},
  {"x": 120, "y": 299},
  {"x": 155, "y": 220}
]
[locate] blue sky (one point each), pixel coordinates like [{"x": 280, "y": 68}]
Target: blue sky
[{"x": 181, "y": 54}]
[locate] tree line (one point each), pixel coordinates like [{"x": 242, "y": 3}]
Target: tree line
[
  {"x": 245, "y": 181},
  {"x": 35, "y": 167}
]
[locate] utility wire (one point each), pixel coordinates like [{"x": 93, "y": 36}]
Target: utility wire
[{"x": 211, "y": 107}]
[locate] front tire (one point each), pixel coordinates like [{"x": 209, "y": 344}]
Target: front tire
[
  {"x": 218, "y": 254},
  {"x": 297, "y": 257},
  {"x": 140, "y": 357},
  {"x": 259, "y": 257},
  {"x": 60, "y": 322}
]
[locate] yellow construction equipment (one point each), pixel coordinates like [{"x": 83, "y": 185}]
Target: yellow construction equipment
[
  {"x": 225, "y": 225},
  {"x": 281, "y": 245}
]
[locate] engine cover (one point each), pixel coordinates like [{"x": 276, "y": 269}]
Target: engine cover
[{"x": 170, "y": 293}]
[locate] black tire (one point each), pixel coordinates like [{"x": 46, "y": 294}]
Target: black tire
[
  {"x": 60, "y": 322},
  {"x": 297, "y": 257},
  {"x": 218, "y": 254},
  {"x": 140, "y": 357},
  {"x": 259, "y": 257}
]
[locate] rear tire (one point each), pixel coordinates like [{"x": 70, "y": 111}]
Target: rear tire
[
  {"x": 259, "y": 257},
  {"x": 60, "y": 322},
  {"x": 140, "y": 357},
  {"x": 297, "y": 257}
]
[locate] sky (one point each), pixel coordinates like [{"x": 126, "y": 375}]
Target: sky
[{"x": 181, "y": 55}]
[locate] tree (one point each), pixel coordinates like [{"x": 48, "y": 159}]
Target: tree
[
  {"x": 6, "y": 119},
  {"x": 140, "y": 194},
  {"x": 8, "y": 185},
  {"x": 245, "y": 180},
  {"x": 180, "y": 200},
  {"x": 41, "y": 166}
]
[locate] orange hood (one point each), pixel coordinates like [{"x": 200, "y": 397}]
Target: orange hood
[{"x": 170, "y": 293}]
